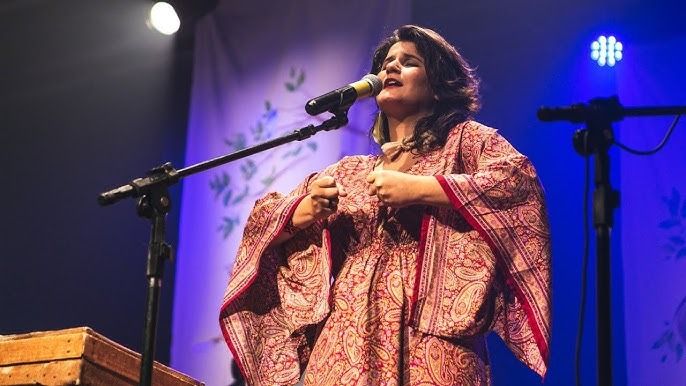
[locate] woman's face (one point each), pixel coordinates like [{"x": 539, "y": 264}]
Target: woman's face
[{"x": 406, "y": 91}]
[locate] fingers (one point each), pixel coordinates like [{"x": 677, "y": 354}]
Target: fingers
[
  {"x": 387, "y": 186},
  {"x": 325, "y": 192},
  {"x": 324, "y": 205},
  {"x": 371, "y": 188},
  {"x": 341, "y": 191},
  {"x": 324, "y": 195},
  {"x": 325, "y": 182},
  {"x": 327, "y": 188}
]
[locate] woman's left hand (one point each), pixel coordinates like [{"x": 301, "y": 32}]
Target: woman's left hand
[{"x": 393, "y": 188}]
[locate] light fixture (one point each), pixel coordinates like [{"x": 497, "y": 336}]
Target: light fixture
[
  {"x": 163, "y": 18},
  {"x": 607, "y": 51}
]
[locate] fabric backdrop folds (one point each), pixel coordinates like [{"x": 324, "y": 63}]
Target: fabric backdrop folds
[{"x": 256, "y": 63}]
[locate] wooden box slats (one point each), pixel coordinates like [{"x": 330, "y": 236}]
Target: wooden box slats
[{"x": 76, "y": 356}]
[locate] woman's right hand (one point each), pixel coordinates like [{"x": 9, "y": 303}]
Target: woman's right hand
[
  {"x": 321, "y": 202},
  {"x": 323, "y": 198}
]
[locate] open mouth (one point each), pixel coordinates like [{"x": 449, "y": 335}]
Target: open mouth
[{"x": 392, "y": 83}]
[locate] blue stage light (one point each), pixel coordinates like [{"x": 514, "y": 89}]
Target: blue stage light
[{"x": 607, "y": 50}]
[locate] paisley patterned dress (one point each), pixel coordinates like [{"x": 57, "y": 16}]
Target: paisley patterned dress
[{"x": 380, "y": 296}]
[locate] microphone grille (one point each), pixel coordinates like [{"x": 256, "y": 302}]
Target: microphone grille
[{"x": 375, "y": 82}]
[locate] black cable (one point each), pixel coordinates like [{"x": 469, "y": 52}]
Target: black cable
[
  {"x": 584, "y": 266},
  {"x": 658, "y": 147}
]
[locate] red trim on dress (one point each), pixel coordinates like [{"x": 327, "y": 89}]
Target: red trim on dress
[
  {"x": 327, "y": 242},
  {"x": 233, "y": 350},
  {"x": 418, "y": 265}
]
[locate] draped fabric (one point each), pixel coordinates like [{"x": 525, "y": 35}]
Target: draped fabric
[{"x": 398, "y": 296}]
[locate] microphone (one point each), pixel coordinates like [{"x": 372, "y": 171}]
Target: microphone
[{"x": 344, "y": 97}]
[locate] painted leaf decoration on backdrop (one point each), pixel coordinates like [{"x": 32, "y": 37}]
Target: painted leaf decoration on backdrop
[
  {"x": 241, "y": 196},
  {"x": 227, "y": 197},
  {"x": 673, "y": 202}
]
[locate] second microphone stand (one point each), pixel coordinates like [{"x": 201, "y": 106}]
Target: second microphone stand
[{"x": 595, "y": 139}]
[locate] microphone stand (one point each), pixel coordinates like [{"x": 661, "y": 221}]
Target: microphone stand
[
  {"x": 154, "y": 204},
  {"x": 596, "y": 140}
]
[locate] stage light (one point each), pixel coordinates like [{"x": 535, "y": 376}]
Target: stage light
[
  {"x": 163, "y": 18},
  {"x": 607, "y": 51}
]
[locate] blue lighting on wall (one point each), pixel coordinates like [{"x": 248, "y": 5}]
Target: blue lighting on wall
[{"x": 607, "y": 51}]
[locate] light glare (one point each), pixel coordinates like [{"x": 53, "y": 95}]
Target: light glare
[
  {"x": 163, "y": 18},
  {"x": 606, "y": 50}
]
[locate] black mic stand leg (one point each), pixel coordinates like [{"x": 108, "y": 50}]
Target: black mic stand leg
[
  {"x": 596, "y": 140},
  {"x": 605, "y": 200},
  {"x": 155, "y": 205}
]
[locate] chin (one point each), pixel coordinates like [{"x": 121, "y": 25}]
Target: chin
[{"x": 386, "y": 102}]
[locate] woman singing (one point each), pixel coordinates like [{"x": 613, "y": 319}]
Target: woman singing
[{"x": 392, "y": 269}]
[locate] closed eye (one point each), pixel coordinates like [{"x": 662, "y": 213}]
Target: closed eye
[{"x": 406, "y": 60}]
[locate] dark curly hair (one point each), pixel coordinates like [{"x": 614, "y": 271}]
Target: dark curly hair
[{"x": 451, "y": 78}]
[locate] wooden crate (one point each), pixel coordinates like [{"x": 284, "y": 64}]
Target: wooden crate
[{"x": 76, "y": 356}]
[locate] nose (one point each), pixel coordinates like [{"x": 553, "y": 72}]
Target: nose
[{"x": 393, "y": 66}]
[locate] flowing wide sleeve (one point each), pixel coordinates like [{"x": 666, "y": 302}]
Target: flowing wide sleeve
[
  {"x": 500, "y": 196},
  {"x": 275, "y": 294}
]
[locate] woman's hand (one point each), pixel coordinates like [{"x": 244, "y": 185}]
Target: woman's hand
[
  {"x": 321, "y": 202},
  {"x": 393, "y": 188},
  {"x": 397, "y": 189},
  {"x": 323, "y": 198}
]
